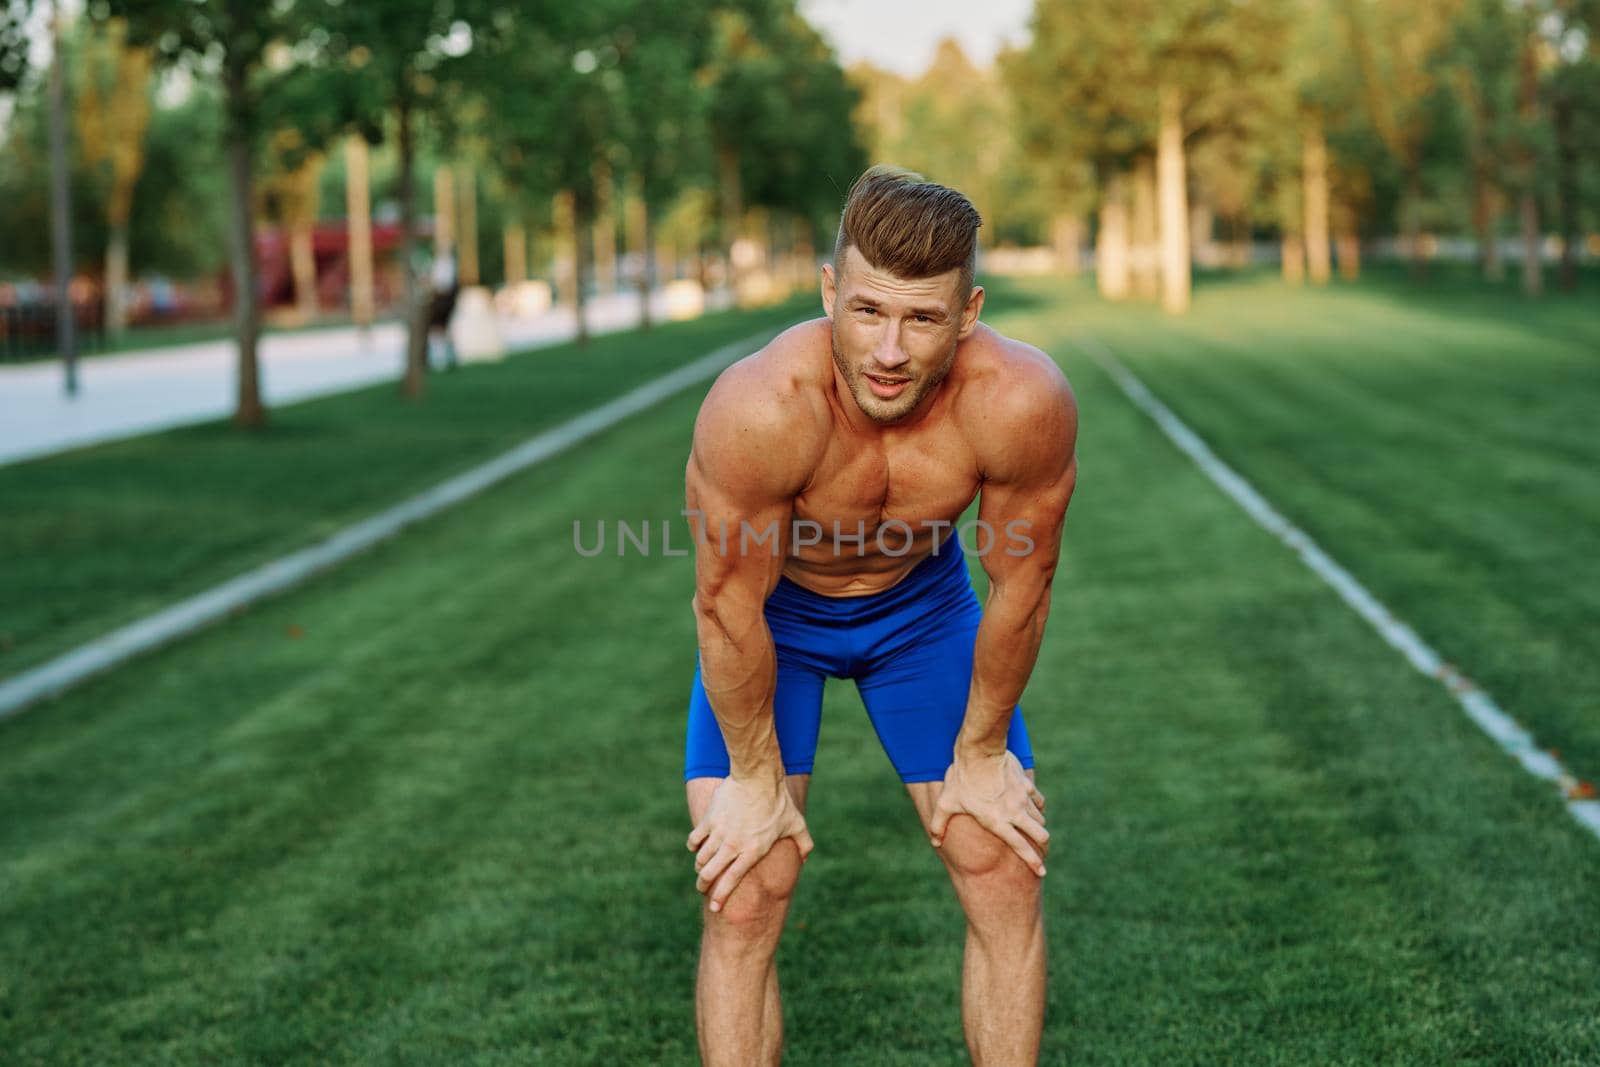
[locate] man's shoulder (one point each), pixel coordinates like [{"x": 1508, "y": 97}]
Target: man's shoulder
[
  {"x": 766, "y": 418},
  {"x": 778, "y": 388},
  {"x": 1012, "y": 380}
]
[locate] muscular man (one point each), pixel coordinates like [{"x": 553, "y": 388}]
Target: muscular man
[{"x": 827, "y": 474}]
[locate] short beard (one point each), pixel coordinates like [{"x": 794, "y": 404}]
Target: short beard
[{"x": 864, "y": 397}]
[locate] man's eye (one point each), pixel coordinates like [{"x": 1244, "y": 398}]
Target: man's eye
[
  {"x": 923, "y": 318},
  {"x": 869, "y": 311}
]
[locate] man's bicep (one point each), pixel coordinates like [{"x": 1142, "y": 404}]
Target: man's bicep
[
  {"x": 739, "y": 515},
  {"x": 736, "y": 530},
  {"x": 1025, "y": 495}
]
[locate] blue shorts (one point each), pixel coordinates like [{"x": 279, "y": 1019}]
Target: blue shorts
[{"x": 909, "y": 649}]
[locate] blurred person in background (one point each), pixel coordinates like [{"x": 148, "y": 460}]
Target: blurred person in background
[{"x": 444, "y": 287}]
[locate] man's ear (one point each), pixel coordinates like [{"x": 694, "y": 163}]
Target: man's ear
[
  {"x": 969, "y": 314},
  {"x": 830, "y": 289}
]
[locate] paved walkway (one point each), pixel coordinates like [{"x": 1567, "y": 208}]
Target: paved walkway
[{"x": 132, "y": 393}]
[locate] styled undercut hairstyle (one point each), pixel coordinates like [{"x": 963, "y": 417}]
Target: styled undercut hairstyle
[{"x": 908, "y": 226}]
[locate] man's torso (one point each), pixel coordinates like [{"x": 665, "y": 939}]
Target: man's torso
[{"x": 891, "y": 492}]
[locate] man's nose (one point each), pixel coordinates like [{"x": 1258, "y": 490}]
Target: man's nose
[{"x": 889, "y": 354}]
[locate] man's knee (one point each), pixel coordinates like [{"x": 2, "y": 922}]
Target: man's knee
[
  {"x": 757, "y": 907},
  {"x": 982, "y": 862}
]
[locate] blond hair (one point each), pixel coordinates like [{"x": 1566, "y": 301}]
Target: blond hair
[{"x": 908, "y": 226}]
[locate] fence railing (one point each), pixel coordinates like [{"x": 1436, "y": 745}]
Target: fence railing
[{"x": 28, "y": 331}]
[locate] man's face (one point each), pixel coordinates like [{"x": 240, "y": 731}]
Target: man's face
[{"x": 894, "y": 339}]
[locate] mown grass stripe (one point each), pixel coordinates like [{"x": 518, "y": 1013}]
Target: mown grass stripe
[
  {"x": 193, "y": 613},
  {"x": 1479, "y": 706}
]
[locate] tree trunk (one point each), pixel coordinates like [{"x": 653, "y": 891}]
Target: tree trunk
[
  {"x": 358, "y": 222},
  {"x": 1486, "y": 223},
  {"x": 1411, "y": 220},
  {"x": 242, "y": 230},
  {"x": 1528, "y": 208},
  {"x": 467, "y": 239},
  {"x": 605, "y": 231},
  {"x": 666, "y": 260},
  {"x": 1173, "y": 203},
  {"x": 1292, "y": 250},
  {"x": 647, "y": 262},
  {"x": 1567, "y": 197},
  {"x": 1349, "y": 255},
  {"x": 1111, "y": 241},
  {"x": 808, "y": 256},
  {"x": 303, "y": 268},
  {"x": 416, "y": 376},
  {"x": 61, "y": 206},
  {"x": 1289, "y": 201},
  {"x": 583, "y": 221},
  {"x": 116, "y": 295},
  {"x": 1240, "y": 247},
  {"x": 702, "y": 268},
  {"x": 515, "y": 239},
  {"x": 566, "y": 239},
  {"x": 1146, "y": 267},
  {"x": 444, "y": 211},
  {"x": 1202, "y": 221},
  {"x": 732, "y": 205},
  {"x": 1315, "y": 166},
  {"x": 1066, "y": 235},
  {"x": 1532, "y": 267}
]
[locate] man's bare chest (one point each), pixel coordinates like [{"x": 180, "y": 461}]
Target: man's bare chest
[{"x": 918, "y": 480}]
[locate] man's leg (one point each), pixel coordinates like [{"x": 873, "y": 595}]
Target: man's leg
[
  {"x": 737, "y": 1010},
  {"x": 1003, "y": 969}
]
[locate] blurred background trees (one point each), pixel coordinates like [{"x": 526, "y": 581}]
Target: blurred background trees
[{"x": 299, "y": 158}]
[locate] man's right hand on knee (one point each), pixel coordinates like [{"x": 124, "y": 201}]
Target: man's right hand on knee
[{"x": 746, "y": 817}]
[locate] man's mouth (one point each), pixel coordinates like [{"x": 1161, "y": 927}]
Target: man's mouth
[{"x": 886, "y": 387}]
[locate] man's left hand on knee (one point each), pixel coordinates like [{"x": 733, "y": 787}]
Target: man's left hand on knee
[{"x": 996, "y": 791}]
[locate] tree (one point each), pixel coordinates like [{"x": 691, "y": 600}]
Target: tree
[
  {"x": 113, "y": 115},
  {"x": 397, "y": 61},
  {"x": 14, "y": 43},
  {"x": 666, "y": 143},
  {"x": 780, "y": 115},
  {"x": 1395, "y": 49},
  {"x": 927, "y": 124},
  {"x": 553, "y": 106},
  {"x": 251, "y": 47},
  {"x": 1572, "y": 90},
  {"x": 1480, "y": 65},
  {"x": 1134, "y": 87}
]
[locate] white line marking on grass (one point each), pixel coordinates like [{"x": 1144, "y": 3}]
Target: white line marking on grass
[
  {"x": 185, "y": 617},
  {"x": 1479, "y": 705}
]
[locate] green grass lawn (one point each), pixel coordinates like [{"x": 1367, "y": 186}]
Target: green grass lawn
[
  {"x": 103, "y": 535},
  {"x": 428, "y": 809},
  {"x": 1440, "y": 442}
]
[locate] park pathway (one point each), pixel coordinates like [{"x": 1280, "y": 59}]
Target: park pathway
[{"x": 132, "y": 393}]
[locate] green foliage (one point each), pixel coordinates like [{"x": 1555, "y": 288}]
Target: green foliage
[
  {"x": 930, "y": 124},
  {"x": 13, "y": 43},
  {"x": 176, "y": 224},
  {"x": 783, "y": 108},
  {"x": 1088, "y": 83},
  {"x": 666, "y": 142}
]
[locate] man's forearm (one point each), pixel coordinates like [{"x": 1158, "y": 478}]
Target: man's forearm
[
  {"x": 739, "y": 671},
  {"x": 1007, "y": 647}
]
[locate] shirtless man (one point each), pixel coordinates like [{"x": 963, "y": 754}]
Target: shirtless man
[{"x": 827, "y": 474}]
